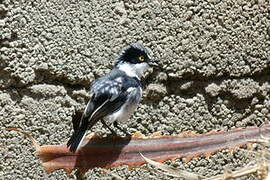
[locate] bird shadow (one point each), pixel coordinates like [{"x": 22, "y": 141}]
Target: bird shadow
[{"x": 97, "y": 151}]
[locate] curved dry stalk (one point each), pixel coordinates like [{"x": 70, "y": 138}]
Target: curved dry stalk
[{"x": 173, "y": 171}]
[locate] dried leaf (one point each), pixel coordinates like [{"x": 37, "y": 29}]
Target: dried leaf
[{"x": 110, "y": 152}]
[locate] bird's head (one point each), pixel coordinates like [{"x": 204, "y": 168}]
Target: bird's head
[{"x": 134, "y": 60}]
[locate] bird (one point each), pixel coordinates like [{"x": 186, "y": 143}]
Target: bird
[{"x": 116, "y": 95}]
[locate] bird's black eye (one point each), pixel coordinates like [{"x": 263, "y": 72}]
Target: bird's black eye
[{"x": 141, "y": 58}]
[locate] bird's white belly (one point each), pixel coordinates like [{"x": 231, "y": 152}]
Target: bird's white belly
[
  {"x": 122, "y": 114},
  {"x": 128, "y": 108}
]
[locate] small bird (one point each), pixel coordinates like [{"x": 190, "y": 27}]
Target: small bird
[{"x": 115, "y": 96}]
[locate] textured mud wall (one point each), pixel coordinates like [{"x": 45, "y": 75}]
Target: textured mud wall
[{"x": 214, "y": 75}]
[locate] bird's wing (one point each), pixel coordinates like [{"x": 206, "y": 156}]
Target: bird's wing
[{"x": 107, "y": 98}]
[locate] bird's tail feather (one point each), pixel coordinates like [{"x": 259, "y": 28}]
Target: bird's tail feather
[{"x": 76, "y": 139}]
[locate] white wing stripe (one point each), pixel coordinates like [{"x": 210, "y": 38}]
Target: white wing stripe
[{"x": 98, "y": 108}]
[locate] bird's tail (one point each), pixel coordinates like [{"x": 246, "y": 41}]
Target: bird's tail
[{"x": 76, "y": 139}]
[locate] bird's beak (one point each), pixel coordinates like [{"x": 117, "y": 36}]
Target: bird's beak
[{"x": 153, "y": 62}]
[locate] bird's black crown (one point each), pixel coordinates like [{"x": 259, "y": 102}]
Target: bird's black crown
[{"x": 134, "y": 53}]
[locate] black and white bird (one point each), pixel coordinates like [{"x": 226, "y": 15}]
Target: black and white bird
[{"x": 115, "y": 96}]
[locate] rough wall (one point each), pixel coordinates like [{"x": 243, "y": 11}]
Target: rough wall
[{"x": 214, "y": 75}]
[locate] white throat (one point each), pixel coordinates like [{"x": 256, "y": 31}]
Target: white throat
[{"x": 133, "y": 70}]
